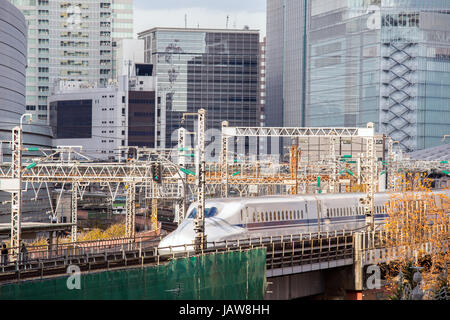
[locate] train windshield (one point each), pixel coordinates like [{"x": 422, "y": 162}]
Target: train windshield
[{"x": 209, "y": 212}]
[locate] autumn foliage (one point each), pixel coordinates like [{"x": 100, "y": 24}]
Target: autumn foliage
[{"x": 417, "y": 233}]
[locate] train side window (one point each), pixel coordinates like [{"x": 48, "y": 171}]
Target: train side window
[
  {"x": 267, "y": 216},
  {"x": 278, "y": 216},
  {"x": 290, "y": 214},
  {"x": 328, "y": 213}
]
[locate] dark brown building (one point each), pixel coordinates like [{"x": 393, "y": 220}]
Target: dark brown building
[{"x": 141, "y": 119}]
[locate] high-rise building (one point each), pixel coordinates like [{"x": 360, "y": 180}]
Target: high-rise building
[
  {"x": 128, "y": 53},
  {"x": 122, "y": 28},
  {"x": 381, "y": 61},
  {"x": 13, "y": 61},
  {"x": 71, "y": 41},
  {"x": 285, "y": 63},
  {"x": 203, "y": 68}
]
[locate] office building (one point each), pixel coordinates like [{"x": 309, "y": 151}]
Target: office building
[
  {"x": 128, "y": 53},
  {"x": 105, "y": 120},
  {"x": 385, "y": 62},
  {"x": 203, "y": 68}
]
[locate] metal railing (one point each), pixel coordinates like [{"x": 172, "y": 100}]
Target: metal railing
[
  {"x": 36, "y": 255},
  {"x": 282, "y": 251}
]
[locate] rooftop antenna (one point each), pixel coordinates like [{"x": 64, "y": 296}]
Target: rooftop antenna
[{"x": 228, "y": 18}]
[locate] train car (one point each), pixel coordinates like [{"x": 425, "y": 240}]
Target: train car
[{"x": 243, "y": 218}]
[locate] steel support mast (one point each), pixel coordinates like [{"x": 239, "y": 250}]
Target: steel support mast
[
  {"x": 332, "y": 155},
  {"x": 131, "y": 210},
  {"x": 16, "y": 195},
  {"x": 74, "y": 209},
  {"x": 199, "y": 223},
  {"x": 200, "y": 236},
  {"x": 154, "y": 216},
  {"x": 180, "y": 204},
  {"x": 224, "y": 162},
  {"x": 369, "y": 179}
]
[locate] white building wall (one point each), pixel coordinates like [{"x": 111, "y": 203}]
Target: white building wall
[{"x": 109, "y": 121}]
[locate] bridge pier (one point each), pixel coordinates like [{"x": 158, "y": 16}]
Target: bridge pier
[
  {"x": 329, "y": 284},
  {"x": 295, "y": 286}
]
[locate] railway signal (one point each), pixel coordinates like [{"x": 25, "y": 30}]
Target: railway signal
[{"x": 156, "y": 172}]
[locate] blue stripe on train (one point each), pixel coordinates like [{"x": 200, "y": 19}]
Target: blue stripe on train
[{"x": 306, "y": 222}]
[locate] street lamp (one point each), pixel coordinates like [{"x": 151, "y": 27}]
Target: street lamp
[{"x": 24, "y": 115}]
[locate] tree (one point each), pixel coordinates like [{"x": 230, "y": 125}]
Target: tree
[{"x": 417, "y": 235}]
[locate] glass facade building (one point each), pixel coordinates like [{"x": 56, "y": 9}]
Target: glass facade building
[
  {"x": 203, "y": 68},
  {"x": 381, "y": 61}
]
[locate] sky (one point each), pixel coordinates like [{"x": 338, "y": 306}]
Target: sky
[{"x": 200, "y": 13}]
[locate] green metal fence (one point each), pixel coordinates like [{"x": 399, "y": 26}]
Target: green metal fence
[{"x": 236, "y": 275}]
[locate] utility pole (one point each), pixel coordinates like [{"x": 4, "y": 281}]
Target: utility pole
[{"x": 199, "y": 224}]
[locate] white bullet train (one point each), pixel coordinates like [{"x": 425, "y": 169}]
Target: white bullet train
[{"x": 243, "y": 218}]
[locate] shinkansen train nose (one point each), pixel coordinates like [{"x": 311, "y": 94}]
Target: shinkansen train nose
[{"x": 180, "y": 240}]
